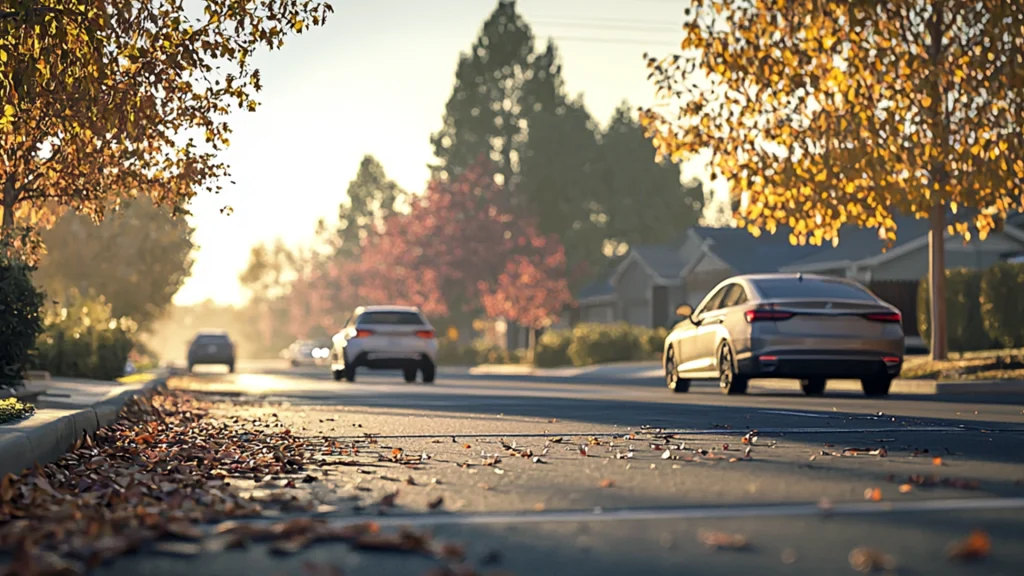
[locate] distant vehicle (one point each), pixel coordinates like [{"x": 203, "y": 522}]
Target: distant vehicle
[
  {"x": 308, "y": 353},
  {"x": 806, "y": 327},
  {"x": 209, "y": 347},
  {"x": 385, "y": 338}
]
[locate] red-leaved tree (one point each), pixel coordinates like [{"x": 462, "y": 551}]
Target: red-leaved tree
[
  {"x": 457, "y": 234},
  {"x": 533, "y": 289}
]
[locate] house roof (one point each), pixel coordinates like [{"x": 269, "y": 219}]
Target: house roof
[
  {"x": 595, "y": 290},
  {"x": 859, "y": 243},
  {"x": 662, "y": 259},
  {"x": 748, "y": 255}
]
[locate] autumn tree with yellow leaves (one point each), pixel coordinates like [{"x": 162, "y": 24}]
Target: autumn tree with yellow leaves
[
  {"x": 833, "y": 112},
  {"x": 101, "y": 101}
]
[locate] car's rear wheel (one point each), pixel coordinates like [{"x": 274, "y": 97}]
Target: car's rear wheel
[
  {"x": 728, "y": 380},
  {"x": 876, "y": 386},
  {"x": 350, "y": 373},
  {"x": 409, "y": 374},
  {"x": 813, "y": 386},
  {"x": 429, "y": 371},
  {"x": 672, "y": 379},
  {"x": 231, "y": 368},
  {"x": 191, "y": 367},
  {"x": 337, "y": 375}
]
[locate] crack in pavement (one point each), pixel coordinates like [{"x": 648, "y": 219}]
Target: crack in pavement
[
  {"x": 684, "y": 512},
  {"x": 675, "y": 432}
]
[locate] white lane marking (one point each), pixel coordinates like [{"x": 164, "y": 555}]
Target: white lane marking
[
  {"x": 708, "y": 512},
  {"x": 807, "y": 414}
]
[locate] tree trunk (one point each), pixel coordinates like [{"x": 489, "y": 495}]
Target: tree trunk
[
  {"x": 8, "y": 205},
  {"x": 937, "y": 281},
  {"x": 531, "y": 344}
]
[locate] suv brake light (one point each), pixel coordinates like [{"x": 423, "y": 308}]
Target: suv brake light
[
  {"x": 363, "y": 333},
  {"x": 760, "y": 315},
  {"x": 425, "y": 334},
  {"x": 892, "y": 317}
]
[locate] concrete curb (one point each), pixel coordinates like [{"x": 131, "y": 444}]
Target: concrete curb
[{"x": 50, "y": 432}]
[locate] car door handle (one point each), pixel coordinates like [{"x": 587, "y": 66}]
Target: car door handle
[{"x": 715, "y": 320}]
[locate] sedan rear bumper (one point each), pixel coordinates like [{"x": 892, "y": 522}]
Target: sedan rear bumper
[{"x": 821, "y": 365}]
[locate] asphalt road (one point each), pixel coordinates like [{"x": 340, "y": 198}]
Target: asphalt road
[{"x": 654, "y": 477}]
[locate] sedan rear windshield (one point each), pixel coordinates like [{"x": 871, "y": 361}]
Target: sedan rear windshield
[
  {"x": 395, "y": 318},
  {"x": 786, "y": 288}
]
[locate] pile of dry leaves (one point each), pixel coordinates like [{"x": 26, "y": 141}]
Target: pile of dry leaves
[{"x": 158, "y": 472}]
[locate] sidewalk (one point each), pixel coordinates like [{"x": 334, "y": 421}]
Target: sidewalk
[
  {"x": 651, "y": 373},
  {"x": 65, "y": 410}
]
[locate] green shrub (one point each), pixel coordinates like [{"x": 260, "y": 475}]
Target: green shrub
[
  {"x": 12, "y": 409},
  {"x": 82, "y": 340},
  {"x": 1002, "y": 304},
  {"x": 489, "y": 354},
  {"x": 654, "y": 341},
  {"x": 21, "y": 319},
  {"x": 600, "y": 343},
  {"x": 964, "y": 325},
  {"x": 553, "y": 349}
]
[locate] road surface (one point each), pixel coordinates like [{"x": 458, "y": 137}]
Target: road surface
[{"x": 631, "y": 478}]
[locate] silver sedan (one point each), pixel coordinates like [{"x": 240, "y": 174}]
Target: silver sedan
[{"x": 806, "y": 327}]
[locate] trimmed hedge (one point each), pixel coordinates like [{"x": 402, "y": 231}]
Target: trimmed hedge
[
  {"x": 451, "y": 354},
  {"x": 603, "y": 343},
  {"x": 82, "y": 340},
  {"x": 584, "y": 345},
  {"x": 21, "y": 321},
  {"x": 964, "y": 324},
  {"x": 1002, "y": 304},
  {"x": 553, "y": 349}
]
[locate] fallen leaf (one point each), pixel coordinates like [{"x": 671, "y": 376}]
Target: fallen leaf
[
  {"x": 607, "y": 483},
  {"x": 318, "y": 569},
  {"x": 666, "y": 454},
  {"x": 7, "y": 487},
  {"x": 466, "y": 446},
  {"x": 904, "y": 488},
  {"x": 723, "y": 540},
  {"x": 435, "y": 503},
  {"x": 937, "y": 461},
  {"x": 450, "y": 551},
  {"x": 788, "y": 556},
  {"x": 184, "y": 530},
  {"x": 388, "y": 500},
  {"x": 873, "y": 494},
  {"x": 292, "y": 545},
  {"x": 177, "y": 548},
  {"x": 976, "y": 546},
  {"x": 868, "y": 560}
]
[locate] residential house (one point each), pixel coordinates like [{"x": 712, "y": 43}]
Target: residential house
[{"x": 652, "y": 281}]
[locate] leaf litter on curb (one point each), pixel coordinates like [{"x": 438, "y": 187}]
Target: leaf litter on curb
[
  {"x": 723, "y": 540},
  {"x": 153, "y": 479}
]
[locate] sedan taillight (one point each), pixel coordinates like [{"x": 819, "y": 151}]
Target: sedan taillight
[
  {"x": 363, "y": 333},
  {"x": 759, "y": 315},
  {"x": 425, "y": 334},
  {"x": 891, "y": 317}
]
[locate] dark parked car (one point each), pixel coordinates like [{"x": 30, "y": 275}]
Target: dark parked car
[{"x": 211, "y": 348}]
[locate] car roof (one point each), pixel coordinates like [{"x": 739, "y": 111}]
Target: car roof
[
  {"x": 387, "y": 308},
  {"x": 212, "y": 333},
  {"x": 787, "y": 276}
]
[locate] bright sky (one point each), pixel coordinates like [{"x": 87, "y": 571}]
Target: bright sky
[{"x": 375, "y": 80}]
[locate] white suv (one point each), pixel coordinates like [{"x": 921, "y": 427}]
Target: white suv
[{"x": 385, "y": 338}]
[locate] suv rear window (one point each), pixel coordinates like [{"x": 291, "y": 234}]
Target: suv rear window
[
  {"x": 212, "y": 339},
  {"x": 779, "y": 288},
  {"x": 396, "y": 318}
]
